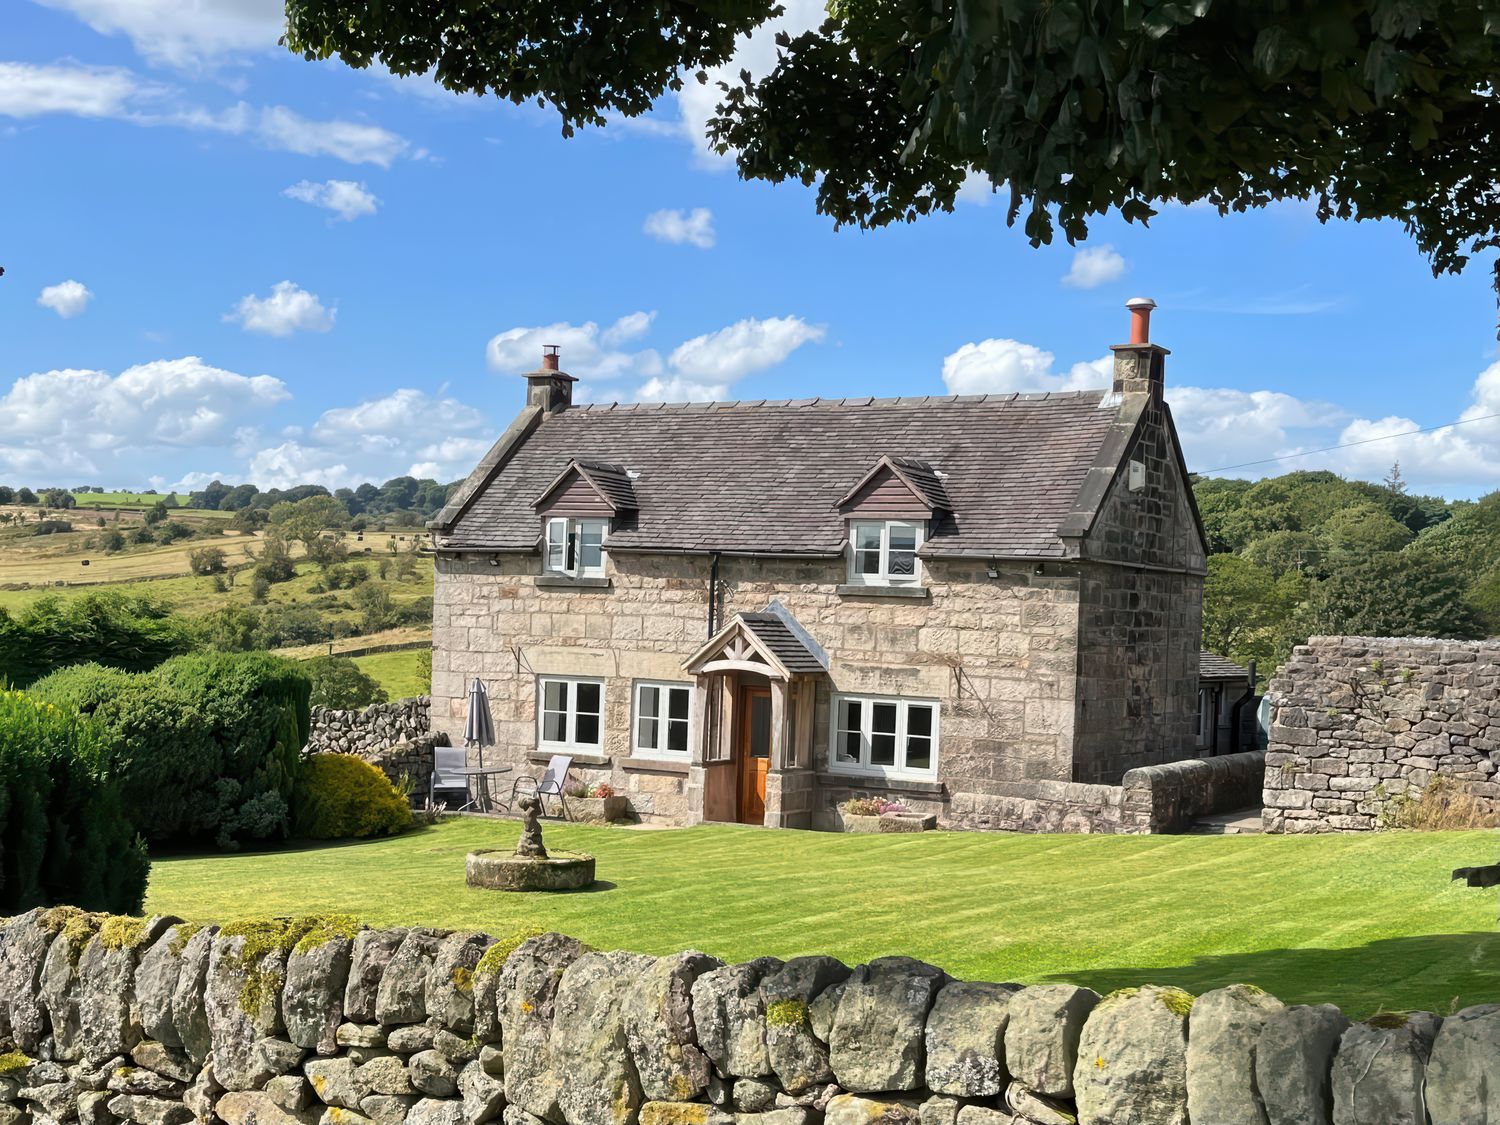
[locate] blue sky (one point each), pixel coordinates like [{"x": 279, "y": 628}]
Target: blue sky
[{"x": 223, "y": 260}]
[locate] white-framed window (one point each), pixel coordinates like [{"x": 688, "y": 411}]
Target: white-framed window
[
  {"x": 884, "y": 553},
  {"x": 575, "y": 547},
  {"x": 885, "y": 735},
  {"x": 570, "y": 714},
  {"x": 663, "y": 720}
]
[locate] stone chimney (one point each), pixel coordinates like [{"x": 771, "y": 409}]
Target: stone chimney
[
  {"x": 1140, "y": 365},
  {"x": 548, "y": 386}
]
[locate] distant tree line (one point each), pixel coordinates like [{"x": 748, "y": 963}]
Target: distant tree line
[
  {"x": 1310, "y": 553},
  {"x": 416, "y": 499}
]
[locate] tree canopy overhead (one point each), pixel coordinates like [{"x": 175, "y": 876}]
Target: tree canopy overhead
[{"x": 1375, "y": 109}]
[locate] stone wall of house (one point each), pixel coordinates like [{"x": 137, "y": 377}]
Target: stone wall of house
[
  {"x": 322, "y": 1022},
  {"x": 1140, "y": 620},
  {"x": 998, "y": 653},
  {"x": 1360, "y": 722},
  {"x": 395, "y": 737}
]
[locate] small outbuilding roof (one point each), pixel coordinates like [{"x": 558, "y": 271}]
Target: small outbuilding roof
[{"x": 1212, "y": 666}]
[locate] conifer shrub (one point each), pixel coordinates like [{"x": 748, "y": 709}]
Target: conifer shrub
[
  {"x": 340, "y": 796},
  {"x": 205, "y": 747},
  {"x": 108, "y": 627},
  {"x": 64, "y": 832}
]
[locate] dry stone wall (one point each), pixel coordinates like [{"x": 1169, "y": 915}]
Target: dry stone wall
[
  {"x": 322, "y": 1022},
  {"x": 376, "y": 727},
  {"x": 394, "y": 737},
  {"x": 1358, "y": 723}
]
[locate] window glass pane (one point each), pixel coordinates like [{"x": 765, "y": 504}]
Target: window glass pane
[
  {"x": 587, "y": 730},
  {"x": 587, "y": 698},
  {"x": 883, "y": 734},
  {"x": 555, "y": 695},
  {"x": 554, "y": 726},
  {"x": 903, "y": 538},
  {"x": 647, "y": 699},
  {"x": 591, "y": 536},
  {"x": 570, "y": 561},
  {"x": 919, "y": 720},
  {"x": 556, "y": 534},
  {"x": 846, "y": 740},
  {"x": 678, "y": 700},
  {"x": 646, "y": 733},
  {"x": 650, "y": 698},
  {"x": 918, "y": 753},
  {"x": 677, "y": 736},
  {"x": 903, "y": 564},
  {"x": 867, "y": 548}
]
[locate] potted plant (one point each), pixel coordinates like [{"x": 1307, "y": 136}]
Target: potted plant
[
  {"x": 878, "y": 814},
  {"x": 594, "y": 804}
]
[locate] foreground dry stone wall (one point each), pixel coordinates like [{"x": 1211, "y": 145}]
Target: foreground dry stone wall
[
  {"x": 320, "y": 1021},
  {"x": 1358, "y": 723}
]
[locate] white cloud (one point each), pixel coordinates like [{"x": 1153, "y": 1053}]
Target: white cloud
[
  {"x": 695, "y": 227},
  {"x": 587, "y": 350},
  {"x": 345, "y": 198},
  {"x": 977, "y": 189},
  {"x": 1093, "y": 266},
  {"x": 288, "y": 309},
  {"x": 376, "y": 440},
  {"x": 28, "y": 91},
  {"x": 65, "y": 419},
  {"x": 183, "y": 34},
  {"x": 1220, "y": 426},
  {"x": 749, "y": 345},
  {"x": 67, "y": 298},
  {"x": 678, "y": 389},
  {"x": 1004, "y": 366},
  {"x": 351, "y": 141}
]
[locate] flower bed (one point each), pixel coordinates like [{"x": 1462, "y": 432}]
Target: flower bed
[{"x": 876, "y": 814}]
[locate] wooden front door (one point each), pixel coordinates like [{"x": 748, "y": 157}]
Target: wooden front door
[{"x": 754, "y": 753}]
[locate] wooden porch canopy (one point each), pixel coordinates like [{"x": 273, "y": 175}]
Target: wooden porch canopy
[{"x": 765, "y": 644}]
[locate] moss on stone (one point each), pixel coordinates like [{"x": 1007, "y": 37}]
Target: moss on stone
[
  {"x": 259, "y": 939},
  {"x": 316, "y": 930},
  {"x": 78, "y": 930},
  {"x": 1177, "y": 1001},
  {"x": 1119, "y": 995},
  {"x": 120, "y": 931},
  {"x": 463, "y": 979},
  {"x": 1388, "y": 1021},
  {"x": 786, "y": 1013},
  {"x": 496, "y": 955},
  {"x": 185, "y": 932},
  {"x": 682, "y": 1089},
  {"x": 55, "y": 919},
  {"x": 13, "y": 1061}
]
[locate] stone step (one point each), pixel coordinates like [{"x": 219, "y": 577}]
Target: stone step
[{"x": 1240, "y": 822}]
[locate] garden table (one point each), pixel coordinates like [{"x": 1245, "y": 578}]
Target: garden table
[{"x": 483, "y": 801}]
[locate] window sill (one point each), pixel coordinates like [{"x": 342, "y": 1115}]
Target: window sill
[
  {"x": 563, "y": 582},
  {"x": 578, "y": 759},
  {"x": 913, "y": 593},
  {"x": 875, "y": 781},
  {"x": 653, "y": 765}
]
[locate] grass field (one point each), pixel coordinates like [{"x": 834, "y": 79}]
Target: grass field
[
  {"x": 400, "y": 673},
  {"x": 1367, "y": 921}
]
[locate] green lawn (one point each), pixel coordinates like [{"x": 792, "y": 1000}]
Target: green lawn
[
  {"x": 1366, "y": 921},
  {"x": 400, "y": 673}
]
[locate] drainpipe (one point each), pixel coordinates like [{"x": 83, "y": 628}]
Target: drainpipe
[
  {"x": 1235, "y": 725},
  {"x": 713, "y": 594}
]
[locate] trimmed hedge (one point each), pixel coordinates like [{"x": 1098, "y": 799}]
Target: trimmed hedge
[
  {"x": 107, "y": 627},
  {"x": 64, "y": 833},
  {"x": 204, "y": 746},
  {"x": 339, "y": 796}
]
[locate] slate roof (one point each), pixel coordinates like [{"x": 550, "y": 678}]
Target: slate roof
[
  {"x": 774, "y": 633},
  {"x": 1212, "y": 666},
  {"x": 765, "y": 477}
]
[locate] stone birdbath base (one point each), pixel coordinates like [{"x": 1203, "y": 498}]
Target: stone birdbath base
[{"x": 504, "y": 871}]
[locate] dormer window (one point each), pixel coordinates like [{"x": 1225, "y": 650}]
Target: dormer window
[
  {"x": 575, "y": 547},
  {"x": 884, "y": 553}
]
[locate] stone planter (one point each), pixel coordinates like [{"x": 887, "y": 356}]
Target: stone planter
[
  {"x": 889, "y": 822},
  {"x": 503, "y": 871},
  {"x": 597, "y": 810}
]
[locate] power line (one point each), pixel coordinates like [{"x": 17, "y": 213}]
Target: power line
[{"x": 1348, "y": 444}]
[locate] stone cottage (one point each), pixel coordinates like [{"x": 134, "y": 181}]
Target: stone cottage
[{"x": 751, "y": 611}]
